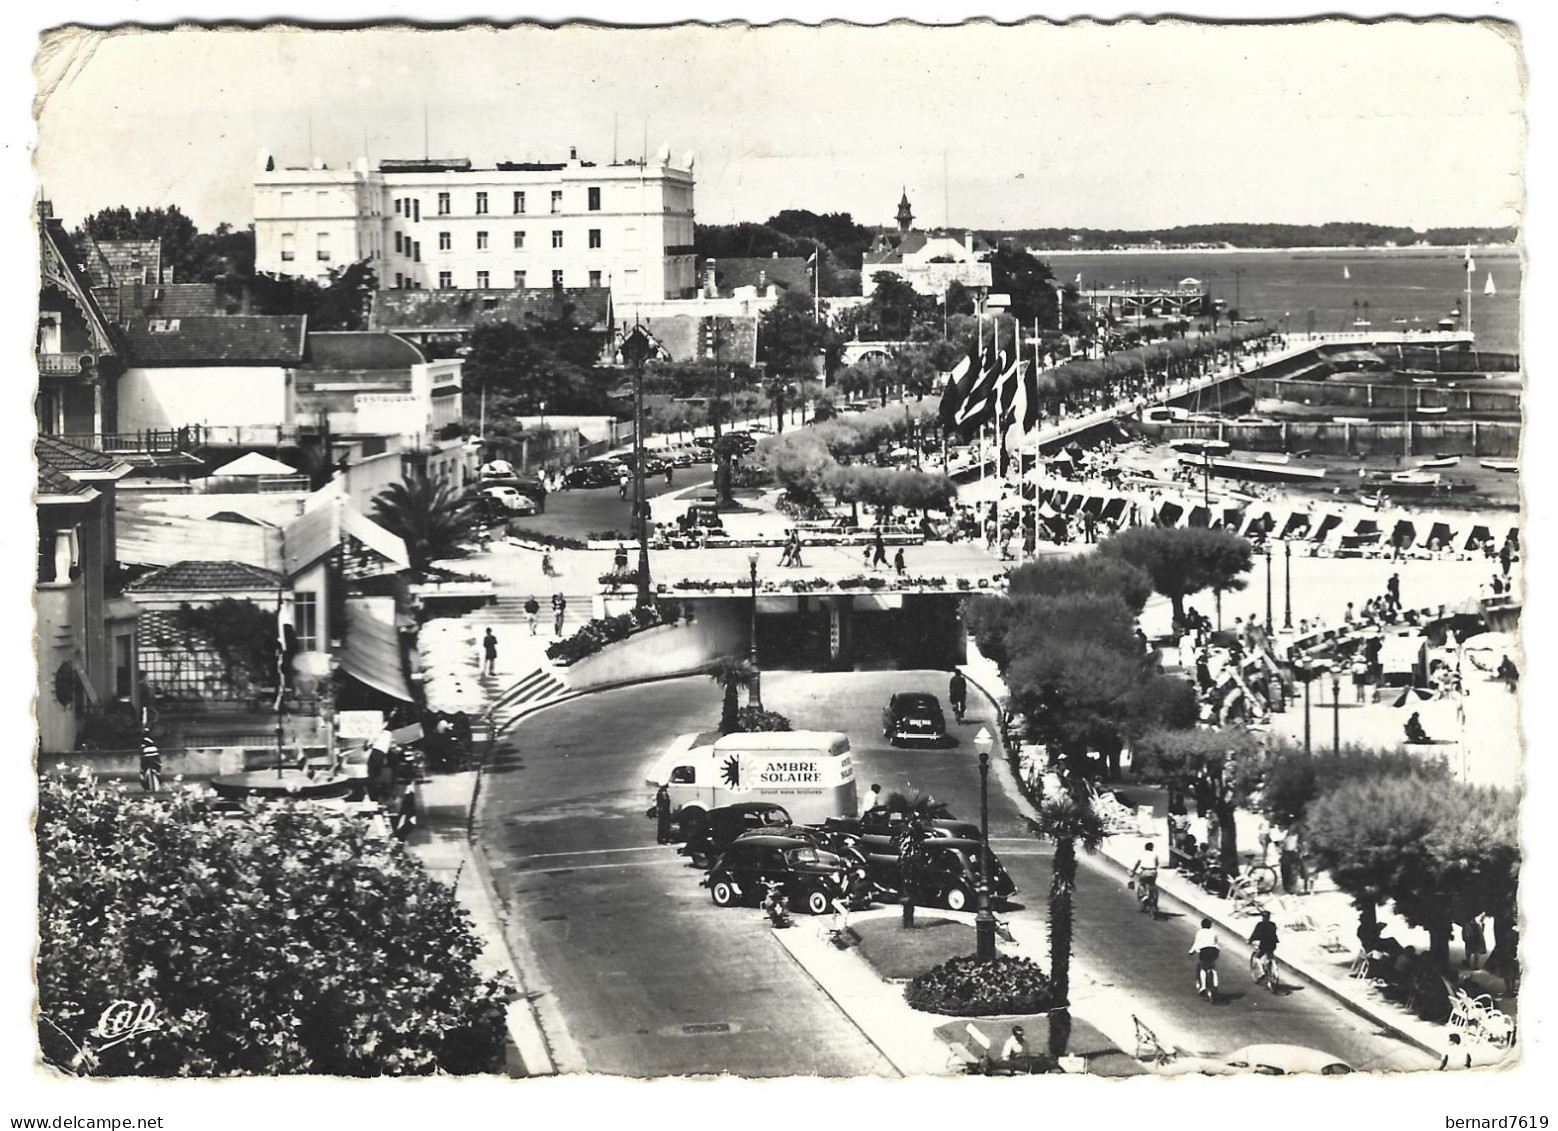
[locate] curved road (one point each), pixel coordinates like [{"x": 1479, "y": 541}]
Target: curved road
[{"x": 636, "y": 953}]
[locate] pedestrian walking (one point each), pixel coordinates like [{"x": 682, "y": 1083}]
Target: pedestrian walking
[
  {"x": 1475, "y": 941},
  {"x": 619, "y": 560},
  {"x": 663, "y": 814},
  {"x": 489, "y": 651},
  {"x": 532, "y": 610},
  {"x": 548, "y": 569},
  {"x": 405, "y": 819},
  {"x": 1393, "y": 588},
  {"x": 875, "y": 798},
  {"x": 1295, "y": 872},
  {"x": 559, "y": 607},
  {"x": 957, "y": 694},
  {"x": 622, "y": 485},
  {"x": 670, "y": 468},
  {"x": 898, "y": 564},
  {"x": 878, "y": 551}
]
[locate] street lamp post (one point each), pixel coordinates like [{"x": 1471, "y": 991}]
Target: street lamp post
[
  {"x": 635, "y": 351},
  {"x": 1268, "y": 587},
  {"x": 984, "y": 920},
  {"x": 756, "y": 695},
  {"x": 1287, "y": 585},
  {"x": 1336, "y": 711}
]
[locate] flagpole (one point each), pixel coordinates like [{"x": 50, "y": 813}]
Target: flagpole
[
  {"x": 816, "y": 282},
  {"x": 1470, "y": 267}
]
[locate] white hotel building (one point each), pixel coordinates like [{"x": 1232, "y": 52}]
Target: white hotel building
[{"x": 444, "y": 224}]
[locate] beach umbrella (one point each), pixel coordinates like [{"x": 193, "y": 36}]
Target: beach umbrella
[{"x": 1412, "y": 696}]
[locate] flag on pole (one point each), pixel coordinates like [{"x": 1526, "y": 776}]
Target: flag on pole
[
  {"x": 977, "y": 404},
  {"x": 1006, "y": 393},
  {"x": 1025, "y": 402},
  {"x": 952, "y": 393}
]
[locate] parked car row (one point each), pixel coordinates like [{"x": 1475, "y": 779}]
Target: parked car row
[{"x": 750, "y": 845}]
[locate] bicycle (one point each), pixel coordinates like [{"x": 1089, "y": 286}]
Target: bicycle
[
  {"x": 1244, "y": 896},
  {"x": 1263, "y": 969},
  {"x": 1262, "y": 876},
  {"x": 1206, "y": 982},
  {"x": 1146, "y": 895}
]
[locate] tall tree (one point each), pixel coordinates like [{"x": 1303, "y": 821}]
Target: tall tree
[
  {"x": 1218, "y": 767},
  {"x": 1183, "y": 561},
  {"x": 792, "y": 344},
  {"x": 429, "y": 516},
  {"x": 174, "y": 230},
  {"x": 1071, "y": 823},
  {"x": 291, "y": 941},
  {"x": 918, "y": 809},
  {"x": 731, "y": 674},
  {"x": 1029, "y": 282}
]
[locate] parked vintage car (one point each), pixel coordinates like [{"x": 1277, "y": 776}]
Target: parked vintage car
[
  {"x": 949, "y": 878},
  {"x": 885, "y": 822},
  {"x": 810, "y": 878},
  {"x": 712, "y": 832},
  {"x": 509, "y": 499},
  {"x": 913, "y": 716},
  {"x": 596, "y": 473}
]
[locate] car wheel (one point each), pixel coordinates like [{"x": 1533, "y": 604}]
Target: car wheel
[
  {"x": 956, "y": 899},
  {"x": 817, "y": 902},
  {"x": 724, "y": 893}
]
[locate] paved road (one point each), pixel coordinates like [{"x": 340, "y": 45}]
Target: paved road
[
  {"x": 576, "y": 512},
  {"x": 1112, "y": 938},
  {"x": 653, "y": 979},
  {"x": 635, "y": 951}
]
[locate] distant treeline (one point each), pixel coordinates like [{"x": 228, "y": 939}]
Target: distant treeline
[{"x": 1250, "y": 235}]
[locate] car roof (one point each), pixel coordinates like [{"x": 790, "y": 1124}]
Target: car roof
[
  {"x": 747, "y": 807},
  {"x": 772, "y": 840},
  {"x": 916, "y": 697}
]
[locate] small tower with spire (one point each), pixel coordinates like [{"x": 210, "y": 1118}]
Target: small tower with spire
[{"x": 905, "y": 213}]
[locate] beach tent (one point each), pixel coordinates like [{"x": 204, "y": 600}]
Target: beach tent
[
  {"x": 1113, "y": 508},
  {"x": 1399, "y": 659},
  {"x": 1255, "y": 519},
  {"x": 1199, "y": 516},
  {"x": 1328, "y": 529},
  {"x": 1073, "y": 504},
  {"x": 1169, "y": 513},
  {"x": 1296, "y": 525},
  {"x": 1404, "y": 533},
  {"x": 1094, "y": 505},
  {"x": 1437, "y": 530},
  {"x": 1477, "y": 536}
]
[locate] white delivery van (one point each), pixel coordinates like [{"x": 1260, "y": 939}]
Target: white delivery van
[{"x": 809, "y": 772}]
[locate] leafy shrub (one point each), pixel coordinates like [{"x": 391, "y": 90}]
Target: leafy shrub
[
  {"x": 966, "y": 987},
  {"x": 750, "y": 719},
  {"x": 594, "y": 635}
]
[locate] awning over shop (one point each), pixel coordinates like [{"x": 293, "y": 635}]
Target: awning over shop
[{"x": 372, "y": 651}]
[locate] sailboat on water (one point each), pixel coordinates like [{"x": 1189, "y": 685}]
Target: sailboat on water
[
  {"x": 1346, "y": 274},
  {"x": 1489, "y": 288}
]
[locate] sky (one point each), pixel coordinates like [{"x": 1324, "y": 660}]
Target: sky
[{"x": 988, "y": 126}]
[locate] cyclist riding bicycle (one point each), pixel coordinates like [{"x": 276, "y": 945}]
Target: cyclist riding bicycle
[
  {"x": 1206, "y": 946},
  {"x": 1145, "y": 873},
  {"x": 1263, "y": 962}
]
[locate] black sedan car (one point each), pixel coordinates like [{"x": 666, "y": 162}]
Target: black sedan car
[
  {"x": 885, "y": 822},
  {"x": 949, "y": 878},
  {"x": 913, "y": 716},
  {"x": 810, "y": 877},
  {"x": 592, "y": 475},
  {"x": 717, "y": 828}
]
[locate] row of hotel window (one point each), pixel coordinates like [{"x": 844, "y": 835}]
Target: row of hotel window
[
  {"x": 412, "y": 207},
  {"x": 484, "y": 280},
  {"x": 404, "y": 245}
]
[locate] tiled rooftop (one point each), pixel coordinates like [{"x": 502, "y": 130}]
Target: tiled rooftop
[
  {"x": 371, "y": 349},
  {"x": 218, "y": 340},
  {"x": 192, "y": 576},
  {"x": 63, "y": 456},
  {"x": 787, "y": 273}
]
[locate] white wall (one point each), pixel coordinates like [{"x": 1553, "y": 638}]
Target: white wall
[{"x": 169, "y": 397}]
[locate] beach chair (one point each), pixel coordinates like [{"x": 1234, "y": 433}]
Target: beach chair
[{"x": 1329, "y": 935}]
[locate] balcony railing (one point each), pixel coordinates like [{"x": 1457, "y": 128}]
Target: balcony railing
[
  {"x": 130, "y": 443},
  {"x": 67, "y": 364}
]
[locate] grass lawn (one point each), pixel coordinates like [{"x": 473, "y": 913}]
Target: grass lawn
[{"x": 896, "y": 953}]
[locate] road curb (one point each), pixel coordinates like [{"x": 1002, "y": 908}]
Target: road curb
[{"x": 1319, "y": 981}]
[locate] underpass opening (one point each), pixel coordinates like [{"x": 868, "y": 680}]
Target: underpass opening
[{"x": 860, "y": 632}]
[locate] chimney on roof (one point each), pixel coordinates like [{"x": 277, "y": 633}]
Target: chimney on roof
[
  {"x": 573, "y": 153},
  {"x": 710, "y": 282},
  {"x": 45, "y": 210},
  {"x": 762, "y": 279},
  {"x": 968, "y": 242}
]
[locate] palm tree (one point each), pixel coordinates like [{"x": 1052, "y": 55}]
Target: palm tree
[
  {"x": 1069, "y": 822},
  {"x": 731, "y": 673},
  {"x": 430, "y": 517},
  {"x": 919, "y": 809}
]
